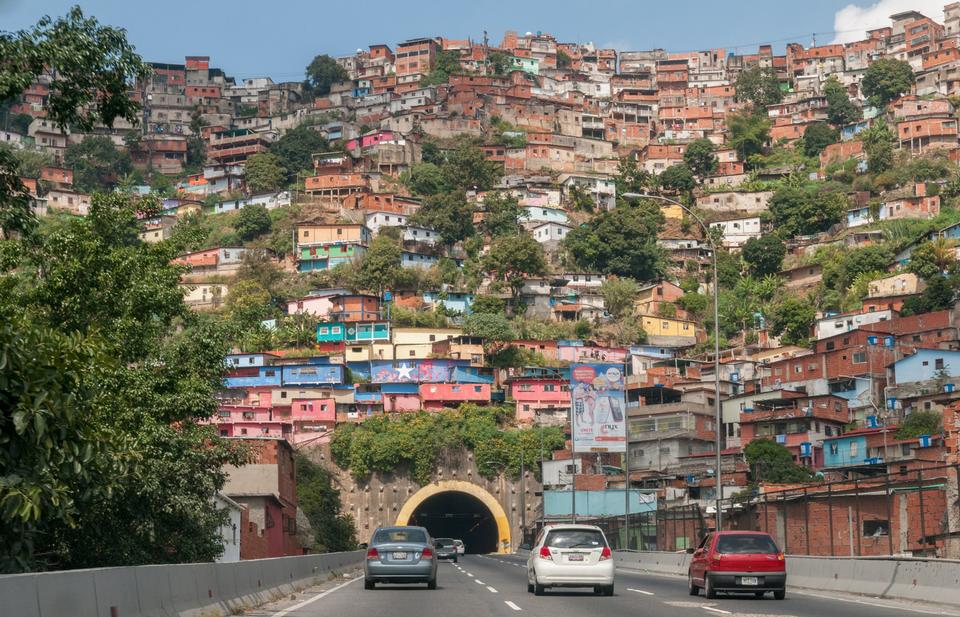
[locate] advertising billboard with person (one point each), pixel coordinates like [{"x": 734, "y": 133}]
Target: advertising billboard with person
[{"x": 598, "y": 407}]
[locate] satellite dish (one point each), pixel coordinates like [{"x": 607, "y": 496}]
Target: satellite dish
[{"x": 359, "y": 51}]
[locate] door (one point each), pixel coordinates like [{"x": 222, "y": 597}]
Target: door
[{"x": 698, "y": 561}]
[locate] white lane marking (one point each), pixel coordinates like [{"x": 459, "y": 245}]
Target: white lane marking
[
  {"x": 716, "y": 610},
  {"x": 892, "y": 605},
  {"x": 326, "y": 593},
  {"x": 646, "y": 593},
  {"x": 491, "y": 589},
  {"x": 512, "y": 605},
  {"x": 478, "y": 581},
  {"x": 470, "y": 575}
]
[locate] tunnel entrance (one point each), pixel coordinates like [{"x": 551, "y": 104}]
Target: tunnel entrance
[{"x": 453, "y": 514}]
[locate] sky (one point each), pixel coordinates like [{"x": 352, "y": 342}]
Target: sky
[{"x": 279, "y": 38}]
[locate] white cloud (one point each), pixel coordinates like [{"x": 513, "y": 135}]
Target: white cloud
[{"x": 852, "y": 21}]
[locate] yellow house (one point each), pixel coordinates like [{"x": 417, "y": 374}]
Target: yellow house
[
  {"x": 310, "y": 234},
  {"x": 668, "y": 326},
  {"x": 412, "y": 343}
]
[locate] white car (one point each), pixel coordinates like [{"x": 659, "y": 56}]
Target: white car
[
  {"x": 570, "y": 556},
  {"x": 461, "y": 549}
]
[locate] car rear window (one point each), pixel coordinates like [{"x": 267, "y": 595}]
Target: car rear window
[
  {"x": 746, "y": 544},
  {"x": 575, "y": 538},
  {"x": 444, "y": 542},
  {"x": 386, "y": 536}
]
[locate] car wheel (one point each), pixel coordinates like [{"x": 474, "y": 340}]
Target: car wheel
[
  {"x": 608, "y": 590},
  {"x": 708, "y": 589},
  {"x": 759, "y": 595},
  {"x": 597, "y": 590},
  {"x": 368, "y": 584},
  {"x": 692, "y": 589},
  {"x": 780, "y": 594},
  {"x": 432, "y": 583},
  {"x": 538, "y": 589},
  {"x": 455, "y": 560}
]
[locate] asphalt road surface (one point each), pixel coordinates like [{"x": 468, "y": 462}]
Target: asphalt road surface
[{"x": 496, "y": 585}]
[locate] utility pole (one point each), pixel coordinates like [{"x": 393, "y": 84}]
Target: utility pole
[{"x": 523, "y": 498}]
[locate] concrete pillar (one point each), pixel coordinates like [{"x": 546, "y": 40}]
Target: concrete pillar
[{"x": 952, "y": 543}]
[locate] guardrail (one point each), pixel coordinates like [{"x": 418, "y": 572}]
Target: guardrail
[
  {"x": 898, "y": 578},
  {"x": 186, "y": 590}
]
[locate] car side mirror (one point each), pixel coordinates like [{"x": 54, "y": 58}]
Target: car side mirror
[
  {"x": 362, "y": 545},
  {"x": 691, "y": 551},
  {"x": 525, "y": 547}
]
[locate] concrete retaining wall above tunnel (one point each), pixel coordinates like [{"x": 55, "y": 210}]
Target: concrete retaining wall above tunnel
[
  {"x": 188, "y": 590},
  {"x": 896, "y": 578}
]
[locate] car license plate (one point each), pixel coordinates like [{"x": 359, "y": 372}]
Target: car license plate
[
  {"x": 575, "y": 557},
  {"x": 749, "y": 580},
  {"x": 399, "y": 555}
]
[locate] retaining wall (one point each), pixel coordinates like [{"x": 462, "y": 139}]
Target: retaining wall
[
  {"x": 188, "y": 590},
  {"x": 903, "y": 578}
]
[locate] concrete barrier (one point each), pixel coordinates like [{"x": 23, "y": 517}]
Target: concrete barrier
[
  {"x": 895, "y": 578},
  {"x": 187, "y": 590}
]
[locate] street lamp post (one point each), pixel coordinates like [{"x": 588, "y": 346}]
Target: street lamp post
[{"x": 716, "y": 337}]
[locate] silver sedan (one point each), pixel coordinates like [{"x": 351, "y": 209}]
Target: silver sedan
[{"x": 400, "y": 555}]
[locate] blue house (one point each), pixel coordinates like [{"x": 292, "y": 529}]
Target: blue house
[
  {"x": 265, "y": 376},
  {"x": 312, "y": 374},
  {"x": 409, "y": 259},
  {"x": 848, "y": 450},
  {"x": 927, "y": 364},
  {"x": 453, "y": 301}
]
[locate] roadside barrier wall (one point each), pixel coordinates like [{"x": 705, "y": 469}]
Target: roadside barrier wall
[
  {"x": 900, "y": 578},
  {"x": 187, "y": 590}
]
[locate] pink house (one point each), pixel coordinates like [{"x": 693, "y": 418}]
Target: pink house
[
  {"x": 400, "y": 398},
  {"x": 533, "y": 393},
  {"x": 318, "y": 306},
  {"x": 440, "y": 395},
  {"x": 372, "y": 139},
  {"x": 244, "y": 421}
]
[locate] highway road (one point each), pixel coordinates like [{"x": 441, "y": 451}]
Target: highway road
[{"x": 496, "y": 585}]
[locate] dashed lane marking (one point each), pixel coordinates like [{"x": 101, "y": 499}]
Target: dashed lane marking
[
  {"x": 716, "y": 610},
  {"x": 512, "y": 605},
  {"x": 491, "y": 589},
  {"x": 478, "y": 581},
  {"x": 646, "y": 593}
]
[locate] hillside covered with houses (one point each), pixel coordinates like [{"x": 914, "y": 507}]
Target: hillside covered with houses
[{"x": 443, "y": 224}]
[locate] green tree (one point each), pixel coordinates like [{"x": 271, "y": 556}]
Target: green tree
[
  {"x": 493, "y": 328},
  {"x": 797, "y": 211},
  {"x": 764, "y": 255},
  {"x": 248, "y": 303},
  {"x": 322, "y": 72},
  {"x": 885, "y": 80},
  {"x": 840, "y": 109},
  {"x": 466, "y": 169},
  {"x": 425, "y": 179},
  {"x": 792, "y": 319},
  {"x": 878, "y": 143},
  {"x": 320, "y": 502},
  {"x": 619, "y": 295},
  {"x": 920, "y": 422},
  {"x": 445, "y": 64},
  {"x": 97, "y": 164},
  {"x": 295, "y": 149},
  {"x": 933, "y": 258},
  {"x": 939, "y": 295},
  {"x": 749, "y": 134},
  {"x": 622, "y": 241},
  {"x": 772, "y": 462},
  {"x": 511, "y": 258},
  {"x": 631, "y": 178},
  {"x": 499, "y": 62},
  {"x": 32, "y": 160},
  {"x": 503, "y": 214},
  {"x": 380, "y": 268},
  {"x": 817, "y": 137},
  {"x": 252, "y": 222},
  {"x": 488, "y": 304},
  {"x": 678, "y": 178},
  {"x": 759, "y": 87},
  {"x": 700, "y": 158},
  {"x": 448, "y": 213},
  {"x": 263, "y": 173}
]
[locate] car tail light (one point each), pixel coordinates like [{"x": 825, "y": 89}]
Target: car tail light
[
  {"x": 545, "y": 553},
  {"x": 373, "y": 554},
  {"x": 427, "y": 552},
  {"x": 780, "y": 557},
  {"x": 605, "y": 553}
]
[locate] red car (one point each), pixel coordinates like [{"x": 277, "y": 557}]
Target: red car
[{"x": 738, "y": 561}]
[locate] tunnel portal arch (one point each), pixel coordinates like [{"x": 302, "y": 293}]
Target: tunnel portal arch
[{"x": 418, "y": 499}]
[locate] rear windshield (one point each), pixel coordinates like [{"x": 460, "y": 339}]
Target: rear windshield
[
  {"x": 746, "y": 544},
  {"x": 575, "y": 538},
  {"x": 444, "y": 542},
  {"x": 387, "y": 536}
]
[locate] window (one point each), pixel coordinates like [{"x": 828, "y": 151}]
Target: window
[
  {"x": 413, "y": 353},
  {"x": 853, "y": 449},
  {"x": 834, "y": 448},
  {"x": 875, "y": 529},
  {"x": 859, "y": 357},
  {"x": 938, "y": 364},
  {"x": 830, "y": 345}
]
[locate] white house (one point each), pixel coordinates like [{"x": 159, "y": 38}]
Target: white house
[
  {"x": 550, "y": 232},
  {"x": 737, "y": 231},
  {"x": 602, "y": 189},
  {"x": 230, "y": 530},
  {"x": 377, "y": 219},
  {"x": 413, "y": 233},
  {"x": 838, "y": 324}
]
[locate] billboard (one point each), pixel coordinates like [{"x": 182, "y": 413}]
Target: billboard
[{"x": 598, "y": 407}]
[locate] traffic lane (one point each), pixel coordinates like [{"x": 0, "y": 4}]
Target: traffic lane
[
  {"x": 456, "y": 593},
  {"x": 665, "y": 594}
]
